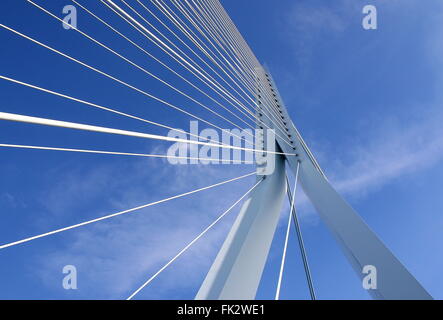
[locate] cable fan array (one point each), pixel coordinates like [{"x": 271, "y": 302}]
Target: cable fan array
[{"x": 199, "y": 56}]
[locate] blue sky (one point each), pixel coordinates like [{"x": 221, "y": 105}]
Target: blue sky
[{"x": 369, "y": 104}]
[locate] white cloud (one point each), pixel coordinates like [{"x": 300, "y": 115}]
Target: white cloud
[
  {"x": 115, "y": 257},
  {"x": 397, "y": 144},
  {"x": 392, "y": 152}
]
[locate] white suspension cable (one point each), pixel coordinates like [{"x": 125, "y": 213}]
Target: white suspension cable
[
  {"x": 163, "y": 46},
  {"x": 218, "y": 34},
  {"x": 279, "y": 124},
  {"x": 85, "y": 127},
  {"x": 180, "y": 50},
  {"x": 189, "y": 33},
  {"x": 193, "y": 242},
  {"x": 161, "y": 63},
  {"x": 179, "y": 23},
  {"x": 117, "y": 80},
  {"x": 301, "y": 245},
  {"x": 122, "y": 82},
  {"x": 126, "y": 16},
  {"x": 206, "y": 50},
  {"x": 264, "y": 92},
  {"x": 120, "y": 213},
  {"x": 225, "y": 95},
  {"x": 160, "y": 156},
  {"x": 100, "y": 107},
  {"x": 137, "y": 66},
  {"x": 226, "y": 63},
  {"x": 272, "y": 103},
  {"x": 191, "y": 14},
  {"x": 282, "y": 267},
  {"x": 220, "y": 8},
  {"x": 180, "y": 39},
  {"x": 242, "y": 74},
  {"x": 237, "y": 40}
]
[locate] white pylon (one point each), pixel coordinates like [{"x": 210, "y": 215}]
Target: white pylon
[{"x": 237, "y": 270}]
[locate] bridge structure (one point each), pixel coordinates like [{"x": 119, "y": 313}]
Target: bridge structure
[{"x": 230, "y": 75}]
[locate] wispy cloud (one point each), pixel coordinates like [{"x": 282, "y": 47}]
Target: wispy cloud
[
  {"x": 388, "y": 153},
  {"x": 307, "y": 19},
  {"x": 116, "y": 256},
  {"x": 392, "y": 149},
  {"x": 394, "y": 145},
  {"x": 306, "y": 24}
]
